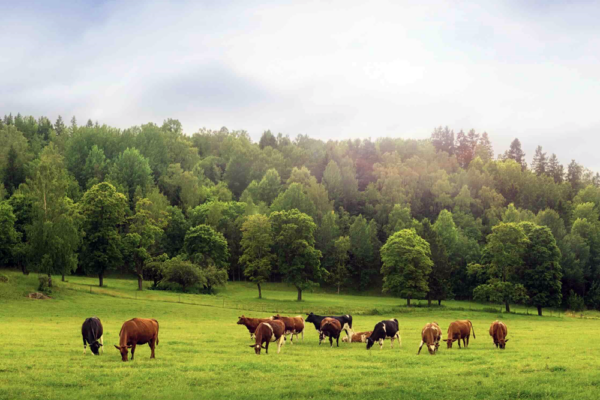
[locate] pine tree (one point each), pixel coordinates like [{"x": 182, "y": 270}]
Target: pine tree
[
  {"x": 515, "y": 152},
  {"x": 443, "y": 140},
  {"x": 14, "y": 174},
  {"x": 555, "y": 169},
  {"x": 484, "y": 149},
  {"x": 540, "y": 162},
  {"x": 59, "y": 126}
]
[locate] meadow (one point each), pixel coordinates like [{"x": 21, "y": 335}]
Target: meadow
[{"x": 204, "y": 354}]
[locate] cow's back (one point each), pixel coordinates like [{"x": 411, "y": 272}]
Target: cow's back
[
  {"x": 459, "y": 329},
  {"x": 498, "y": 330},
  {"x": 92, "y": 329},
  {"x": 140, "y": 330}
]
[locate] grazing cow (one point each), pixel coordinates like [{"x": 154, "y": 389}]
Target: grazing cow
[
  {"x": 92, "y": 333},
  {"x": 460, "y": 330},
  {"x": 137, "y": 331},
  {"x": 498, "y": 332},
  {"x": 383, "y": 330},
  {"x": 293, "y": 326},
  {"x": 252, "y": 323},
  {"x": 330, "y": 328},
  {"x": 359, "y": 337},
  {"x": 266, "y": 332},
  {"x": 431, "y": 335},
  {"x": 345, "y": 320}
]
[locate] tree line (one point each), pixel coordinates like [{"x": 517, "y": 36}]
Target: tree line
[{"x": 204, "y": 208}]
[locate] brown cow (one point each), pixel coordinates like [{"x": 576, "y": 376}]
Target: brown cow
[
  {"x": 293, "y": 326},
  {"x": 460, "y": 330},
  {"x": 359, "y": 337},
  {"x": 431, "y": 335},
  {"x": 266, "y": 332},
  {"x": 137, "y": 331},
  {"x": 330, "y": 328},
  {"x": 252, "y": 323},
  {"x": 498, "y": 332}
]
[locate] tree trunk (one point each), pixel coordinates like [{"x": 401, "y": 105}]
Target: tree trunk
[
  {"x": 299, "y": 294},
  {"x": 259, "y": 291},
  {"x": 101, "y": 279},
  {"x": 49, "y": 280},
  {"x": 24, "y": 269},
  {"x": 140, "y": 282},
  {"x": 408, "y": 301},
  {"x": 428, "y": 300},
  {"x": 539, "y": 310},
  {"x": 507, "y": 307},
  {"x": 338, "y": 288},
  {"x": 63, "y": 277},
  {"x": 439, "y": 302}
]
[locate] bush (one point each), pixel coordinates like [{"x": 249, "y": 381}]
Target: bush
[
  {"x": 44, "y": 285},
  {"x": 184, "y": 273},
  {"x": 575, "y": 303},
  {"x": 3, "y": 278}
]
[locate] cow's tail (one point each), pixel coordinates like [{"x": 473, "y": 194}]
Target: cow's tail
[
  {"x": 156, "y": 332},
  {"x": 473, "y": 329}
]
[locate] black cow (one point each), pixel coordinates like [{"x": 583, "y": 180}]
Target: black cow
[
  {"x": 383, "y": 330},
  {"x": 345, "y": 321},
  {"x": 92, "y": 331}
]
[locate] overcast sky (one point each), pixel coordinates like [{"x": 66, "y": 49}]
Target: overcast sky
[{"x": 329, "y": 69}]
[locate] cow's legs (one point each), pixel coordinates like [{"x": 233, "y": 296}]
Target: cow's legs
[
  {"x": 468, "y": 337},
  {"x": 84, "y": 345},
  {"x": 392, "y": 341},
  {"x": 267, "y": 347},
  {"x": 337, "y": 339},
  {"x": 399, "y": 339},
  {"x": 302, "y": 335},
  {"x": 280, "y": 343},
  {"x": 458, "y": 341},
  {"x": 380, "y": 344},
  {"x": 132, "y": 351},
  {"x": 292, "y": 338},
  {"x": 330, "y": 340},
  {"x": 102, "y": 343},
  {"x": 419, "y": 352},
  {"x": 152, "y": 346}
]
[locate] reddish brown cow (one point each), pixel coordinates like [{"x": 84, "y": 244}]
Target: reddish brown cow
[
  {"x": 252, "y": 323},
  {"x": 460, "y": 330},
  {"x": 498, "y": 332},
  {"x": 359, "y": 337},
  {"x": 137, "y": 331},
  {"x": 330, "y": 328},
  {"x": 431, "y": 335},
  {"x": 293, "y": 326},
  {"x": 266, "y": 332}
]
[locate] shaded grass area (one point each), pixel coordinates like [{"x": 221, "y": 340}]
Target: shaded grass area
[{"x": 204, "y": 354}]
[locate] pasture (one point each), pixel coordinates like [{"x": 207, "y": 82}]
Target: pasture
[{"x": 204, "y": 354}]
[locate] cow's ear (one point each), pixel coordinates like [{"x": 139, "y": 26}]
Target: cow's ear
[
  {"x": 506, "y": 340},
  {"x": 252, "y": 345},
  {"x": 117, "y": 347},
  {"x": 101, "y": 345}
]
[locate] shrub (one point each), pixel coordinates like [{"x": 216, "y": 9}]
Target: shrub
[
  {"x": 3, "y": 278},
  {"x": 44, "y": 285},
  {"x": 575, "y": 302},
  {"x": 184, "y": 273}
]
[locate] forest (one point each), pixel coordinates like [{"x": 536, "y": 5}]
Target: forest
[{"x": 436, "y": 219}]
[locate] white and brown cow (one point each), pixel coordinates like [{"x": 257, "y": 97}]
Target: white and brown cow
[
  {"x": 358, "y": 337},
  {"x": 267, "y": 332},
  {"x": 431, "y": 335},
  {"x": 293, "y": 326}
]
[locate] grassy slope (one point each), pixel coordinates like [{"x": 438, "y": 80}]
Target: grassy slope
[{"x": 204, "y": 354}]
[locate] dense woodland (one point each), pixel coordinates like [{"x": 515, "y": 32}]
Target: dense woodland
[{"x": 421, "y": 219}]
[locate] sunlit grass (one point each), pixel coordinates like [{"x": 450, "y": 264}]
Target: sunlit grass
[{"x": 204, "y": 354}]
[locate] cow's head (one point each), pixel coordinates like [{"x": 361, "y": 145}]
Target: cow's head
[
  {"x": 241, "y": 320},
  {"x": 370, "y": 343},
  {"x": 276, "y": 317},
  {"x": 449, "y": 342},
  {"x": 310, "y": 317},
  {"x": 123, "y": 350},
  {"x": 257, "y": 348},
  {"x": 345, "y": 339},
  {"x": 502, "y": 343},
  {"x": 95, "y": 347},
  {"x": 432, "y": 348}
]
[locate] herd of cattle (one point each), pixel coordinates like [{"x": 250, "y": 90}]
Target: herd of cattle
[{"x": 276, "y": 329}]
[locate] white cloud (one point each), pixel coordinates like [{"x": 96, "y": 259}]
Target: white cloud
[{"x": 332, "y": 69}]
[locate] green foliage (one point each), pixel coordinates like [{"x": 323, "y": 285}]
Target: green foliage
[
  {"x": 294, "y": 198},
  {"x": 256, "y": 246},
  {"x": 298, "y": 260},
  {"x": 575, "y": 302},
  {"x": 9, "y": 236},
  {"x": 104, "y": 211},
  {"x": 130, "y": 172},
  {"x": 341, "y": 254},
  {"x": 204, "y": 246},
  {"x": 440, "y": 284},
  {"x": 406, "y": 265},
  {"x": 44, "y": 285},
  {"x": 184, "y": 273}
]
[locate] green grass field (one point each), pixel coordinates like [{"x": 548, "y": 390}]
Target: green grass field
[{"x": 204, "y": 354}]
